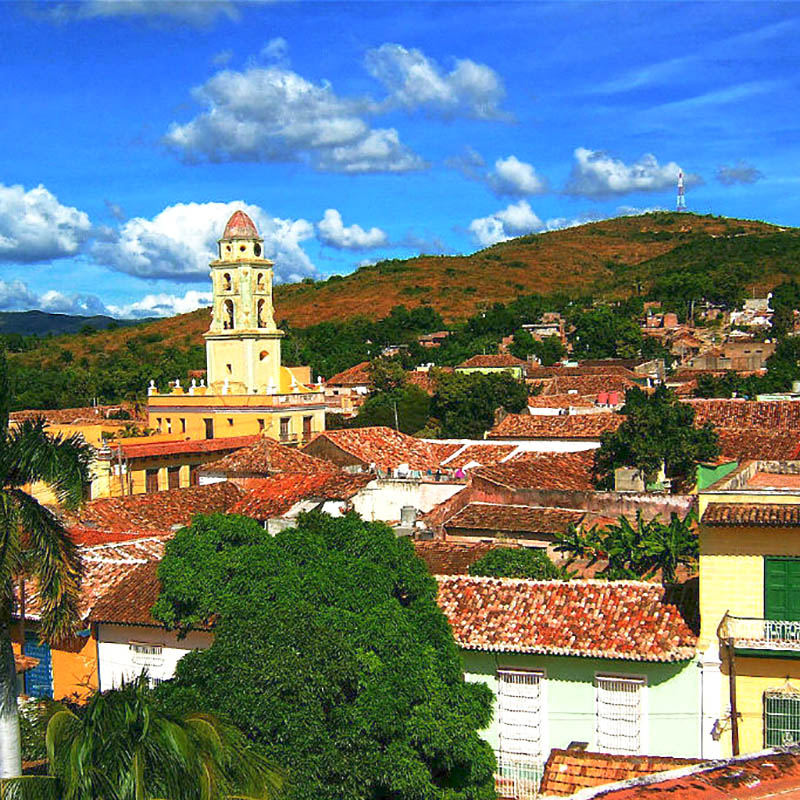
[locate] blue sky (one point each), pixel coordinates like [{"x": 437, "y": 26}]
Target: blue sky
[{"x": 353, "y": 132}]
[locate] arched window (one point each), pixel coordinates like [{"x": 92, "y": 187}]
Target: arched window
[
  {"x": 262, "y": 355},
  {"x": 226, "y": 282},
  {"x": 260, "y": 282},
  {"x": 260, "y": 315},
  {"x": 257, "y": 249},
  {"x": 227, "y": 321}
]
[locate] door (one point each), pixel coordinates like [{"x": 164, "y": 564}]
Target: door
[
  {"x": 782, "y": 588},
  {"x": 307, "y": 427},
  {"x": 151, "y": 480},
  {"x": 39, "y": 680},
  {"x": 174, "y": 477}
]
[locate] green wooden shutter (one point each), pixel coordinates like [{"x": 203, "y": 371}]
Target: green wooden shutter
[{"x": 782, "y": 588}]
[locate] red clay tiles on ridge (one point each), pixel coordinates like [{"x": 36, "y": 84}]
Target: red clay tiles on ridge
[{"x": 561, "y": 426}]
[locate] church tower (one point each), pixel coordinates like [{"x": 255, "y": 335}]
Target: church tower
[{"x": 243, "y": 345}]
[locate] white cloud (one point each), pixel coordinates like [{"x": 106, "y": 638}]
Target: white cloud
[
  {"x": 34, "y": 226},
  {"x": 516, "y": 219},
  {"x": 276, "y": 49},
  {"x": 516, "y": 178},
  {"x": 274, "y": 114},
  {"x": 741, "y": 172},
  {"x": 468, "y": 162},
  {"x": 195, "y": 13},
  {"x": 15, "y": 295},
  {"x": 222, "y": 58},
  {"x": 597, "y": 174},
  {"x": 179, "y": 242},
  {"x": 415, "y": 81},
  {"x": 332, "y": 231},
  {"x": 162, "y": 305}
]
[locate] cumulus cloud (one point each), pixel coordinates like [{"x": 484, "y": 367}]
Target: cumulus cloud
[
  {"x": 511, "y": 176},
  {"x": 597, "y": 174},
  {"x": 274, "y": 114},
  {"x": 179, "y": 242},
  {"x": 332, "y": 231},
  {"x": 15, "y": 295},
  {"x": 414, "y": 81},
  {"x": 276, "y": 49},
  {"x": 469, "y": 162},
  {"x": 516, "y": 219},
  {"x": 194, "y": 13},
  {"x": 162, "y": 305},
  {"x": 740, "y": 172},
  {"x": 34, "y": 226}
]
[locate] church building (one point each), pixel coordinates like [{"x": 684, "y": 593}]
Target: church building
[{"x": 247, "y": 390}]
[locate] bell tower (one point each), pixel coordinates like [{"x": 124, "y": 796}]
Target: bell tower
[{"x": 243, "y": 346}]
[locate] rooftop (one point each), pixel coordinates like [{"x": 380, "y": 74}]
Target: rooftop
[
  {"x": 585, "y": 384},
  {"x": 753, "y": 443},
  {"x": 240, "y": 226},
  {"x": 764, "y": 415},
  {"x": 131, "y": 600},
  {"x": 493, "y": 360},
  {"x": 494, "y": 517},
  {"x": 536, "y": 470},
  {"x": 265, "y": 457},
  {"x": 562, "y": 400},
  {"x": 768, "y": 515},
  {"x": 359, "y": 375},
  {"x": 484, "y": 454},
  {"x": 562, "y": 426},
  {"x": 599, "y": 619},
  {"x": 444, "y": 557},
  {"x": 159, "y": 511},
  {"x": 580, "y": 369},
  {"x": 145, "y": 449},
  {"x": 88, "y": 415}
]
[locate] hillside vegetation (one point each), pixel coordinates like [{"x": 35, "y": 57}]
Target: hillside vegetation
[{"x": 672, "y": 257}]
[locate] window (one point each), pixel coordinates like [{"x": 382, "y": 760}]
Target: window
[
  {"x": 261, "y": 425},
  {"x": 169, "y": 425},
  {"x": 174, "y": 477},
  {"x": 146, "y": 655},
  {"x": 521, "y": 718},
  {"x": 193, "y": 477},
  {"x": 781, "y": 718},
  {"x": 307, "y": 427},
  {"x": 782, "y": 588},
  {"x": 618, "y": 714},
  {"x": 151, "y": 480},
  {"x": 158, "y": 424},
  {"x": 209, "y": 425},
  {"x": 285, "y": 425},
  {"x": 260, "y": 314},
  {"x": 226, "y": 281},
  {"x": 260, "y": 280},
  {"x": 230, "y": 422},
  {"x": 183, "y": 425},
  {"x": 228, "y": 315}
]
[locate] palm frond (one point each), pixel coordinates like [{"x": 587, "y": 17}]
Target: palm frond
[
  {"x": 30, "y": 787},
  {"x": 56, "y": 565}
]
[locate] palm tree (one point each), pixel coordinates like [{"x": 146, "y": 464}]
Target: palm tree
[
  {"x": 123, "y": 746},
  {"x": 33, "y": 539}
]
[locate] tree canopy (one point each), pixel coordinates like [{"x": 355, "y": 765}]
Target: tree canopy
[
  {"x": 658, "y": 430},
  {"x": 517, "y": 562},
  {"x": 330, "y": 650}
]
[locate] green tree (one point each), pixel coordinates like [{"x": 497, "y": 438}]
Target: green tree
[
  {"x": 409, "y": 408},
  {"x": 124, "y": 746},
  {"x": 658, "y": 430},
  {"x": 635, "y": 552},
  {"x": 386, "y": 374},
  {"x": 605, "y": 332},
  {"x": 33, "y": 538},
  {"x": 330, "y": 650},
  {"x": 465, "y": 403},
  {"x": 549, "y": 350},
  {"x": 518, "y": 562}
]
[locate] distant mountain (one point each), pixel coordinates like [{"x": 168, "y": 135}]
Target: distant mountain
[{"x": 41, "y": 322}]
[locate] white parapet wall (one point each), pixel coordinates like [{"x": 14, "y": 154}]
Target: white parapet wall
[{"x": 383, "y": 498}]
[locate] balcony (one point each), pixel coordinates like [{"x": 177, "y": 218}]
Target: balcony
[
  {"x": 289, "y": 438},
  {"x": 517, "y": 778},
  {"x": 769, "y": 635}
]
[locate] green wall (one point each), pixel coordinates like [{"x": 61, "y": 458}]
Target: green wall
[{"x": 672, "y": 704}]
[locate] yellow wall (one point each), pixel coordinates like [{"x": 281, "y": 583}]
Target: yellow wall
[{"x": 762, "y": 496}]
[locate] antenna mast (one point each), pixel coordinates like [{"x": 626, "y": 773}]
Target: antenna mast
[{"x": 681, "y": 196}]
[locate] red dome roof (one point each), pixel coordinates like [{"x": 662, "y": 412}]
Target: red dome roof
[{"x": 240, "y": 226}]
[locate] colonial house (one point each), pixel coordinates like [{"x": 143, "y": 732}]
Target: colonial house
[
  {"x": 562, "y": 433},
  {"x": 346, "y": 391},
  {"x": 248, "y": 390},
  {"x": 493, "y": 364},
  {"x": 611, "y": 664}
]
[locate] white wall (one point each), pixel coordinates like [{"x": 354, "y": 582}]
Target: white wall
[
  {"x": 117, "y": 661},
  {"x": 383, "y": 499}
]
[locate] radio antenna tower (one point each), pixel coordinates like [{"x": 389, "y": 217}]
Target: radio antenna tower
[{"x": 681, "y": 195}]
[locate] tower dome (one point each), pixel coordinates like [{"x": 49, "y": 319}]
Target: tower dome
[{"x": 240, "y": 226}]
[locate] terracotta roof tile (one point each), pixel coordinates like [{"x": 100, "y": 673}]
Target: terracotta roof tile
[
  {"x": 355, "y": 376},
  {"x": 422, "y": 380},
  {"x": 764, "y": 415},
  {"x": 24, "y": 663},
  {"x": 568, "y": 471},
  {"x": 444, "y": 557},
  {"x": 495, "y": 517},
  {"x": 746, "y": 444},
  {"x": 769, "y": 515},
  {"x": 581, "y": 369},
  {"x": 273, "y": 497},
  {"x": 388, "y": 448},
  {"x": 131, "y": 600},
  {"x": 561, "y": 426},
  {"x": 598, "y": 619},
  {"x": 569, "y": 771},
  {"x": 484, "y": 454},
  {"x": 240, "y": 226},
  {"x": 584, "y": 384},
  {"x": 495, "y": 360},
  {"x": 73, "y": 416},
  {"x": 562, "y": 401},
  {"x": 266, "y": 457},
  {"x": 145, "y": 449},
  {"x": 159, "y": 510}
]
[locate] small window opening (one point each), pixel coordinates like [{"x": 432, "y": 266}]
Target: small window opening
[
  {"x": 226, "y": 282},
  {"x": 263, "y": 354},
  {"x": 227, "y": 322},
  {"x": 257, "y": 249}
]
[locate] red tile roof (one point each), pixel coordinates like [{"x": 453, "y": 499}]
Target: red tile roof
[
  {"x": 444, "y": 557},
  {"x": 240, "y": 226},
  {"x": 388, "y": 448},
  {"x": 746, "y": 444},
  {"x": 422, "y": 380},
  {"x": 495, "y": 517},
  {"x": 490, "y": 360},
  {"x": 266, "y": 457},
  {"x": 758, "y": 776},
  {"x": 24, "y": 663},
  {"x": 131, "y": 600},
  {"x": 585, "y": 384},
  {"x": 273, "y": 497},
  {"x": 562, "y": 426},
  {"x": 73, "y": 416},
  {"x": 159, "y": 510},
  {"x": 569, "y": 771},
  {"x": 562, "y": 401},
  {"x": 568, "y": 471},
  {"x": 145, "y": 449},
  {"x": 598, "y": 619},
  {"x": 581, "y": 369},
  {"x": 767, "y": 415},
  {"x": 484, "y": 454},
  {"x": 358, "y": 375},
  {"x": 768, "y": 515}
]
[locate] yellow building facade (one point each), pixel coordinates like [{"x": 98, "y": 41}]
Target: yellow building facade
[
  {"x": 749, "y": 537},
  {"x": 248, "y": 390}
]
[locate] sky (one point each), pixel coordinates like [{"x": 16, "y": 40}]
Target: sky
[{"x": 352, "y": 132}]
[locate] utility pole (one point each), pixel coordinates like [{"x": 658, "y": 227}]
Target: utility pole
[{"x": 396, "y": 423}]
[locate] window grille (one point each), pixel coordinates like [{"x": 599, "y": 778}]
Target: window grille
[
  {"x": 146, "y": 655},
  {"x": 619, "y": 714},
  {"x": 781, "y": 718}
]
